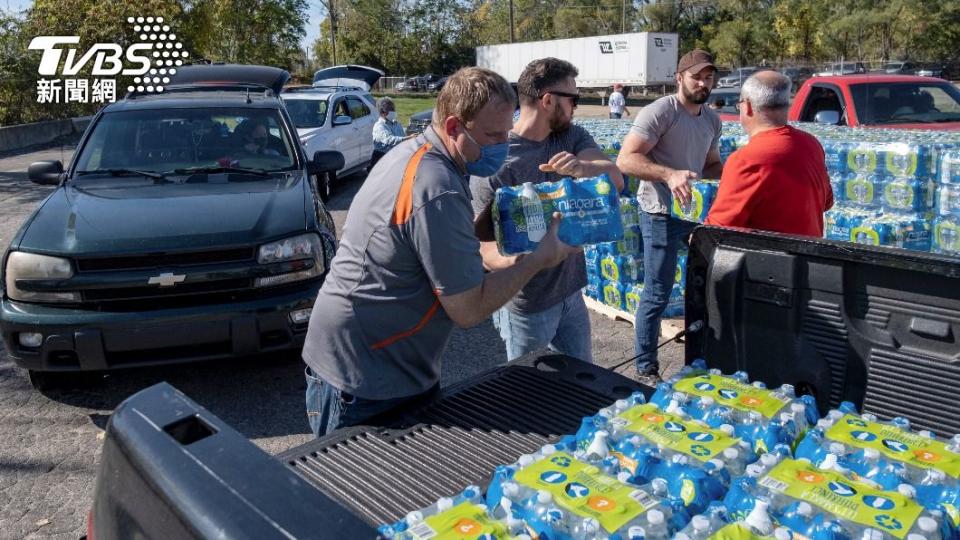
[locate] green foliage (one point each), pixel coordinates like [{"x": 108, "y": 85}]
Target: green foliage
[{"x": 408, "y": 37}]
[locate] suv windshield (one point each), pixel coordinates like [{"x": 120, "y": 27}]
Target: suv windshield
[
  {"x": 306, "y": 113},
  {"x": 906, "y": 103},
  {"x": 165, "y": 140}
]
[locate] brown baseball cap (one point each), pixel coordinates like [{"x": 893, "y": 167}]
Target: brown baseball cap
[{"x": 695, "y": 60}]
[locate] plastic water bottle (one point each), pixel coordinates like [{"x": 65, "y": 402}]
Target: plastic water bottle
[
  {"x": 656, "y": 527},
  {"x": 587, "y": 529},
  {"x": 758, "y": 520},
  {"x": 533, "y": 213},
  {"x": 797, "y": 516}
]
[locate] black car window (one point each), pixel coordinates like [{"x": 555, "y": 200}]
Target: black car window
[
  {"x": 822, "y": 98},
  {"x": 357, "y": 108},
  {"x": 306, "y": 113},
  {"x": 162, "y": 140}
]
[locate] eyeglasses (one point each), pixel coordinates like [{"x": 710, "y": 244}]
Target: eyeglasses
[
  {"x": 737, "y": 104},
  {"x": 575, "y": 98}
]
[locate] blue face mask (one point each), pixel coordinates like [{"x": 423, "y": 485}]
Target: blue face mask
[{"x": 491, "y": 158}]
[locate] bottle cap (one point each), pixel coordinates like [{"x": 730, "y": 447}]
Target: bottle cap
[
  {"x": 707, "y": 401},
  {"x": 681, "y": 536},
  {"x": 717, "y": 464},
  {"x": 804, "y": 509},
  {"x": 510, "y": 489},
  {"x": 700, "y": 523},
  {"x": 837, "y": 448},
  {"x": 871, "y": 453},
  {"x": 636, "y": 533},
  {"x": 798, "y": 408},
  {"x": 548, "y": 449},
  {"x": 621, "y": 405},
  {"x": 414, "y": 517},
  {"x": 525, "y": 460},
  {"x": 727, "y": 429},
  {"x": 768, "y": 460},
  {"x": 782, "y": 534},
  {"x": 829, "y": 462},
  {"x": 731, "y": 453},
  {"x": 444, "y": 504},
  {"x": 926, "y": 434},
  {"x": 754, "y": 470},
  {"x": 544, "y": 497},
  {"x": 824, "y": 424},
  {"x": 927, "y": 525},
  {"x": 872, "y": 534},
  {"x": 907, "y": 491},
  {"x": 623, "y": 477},
  {"x": 655, "y": 517}
]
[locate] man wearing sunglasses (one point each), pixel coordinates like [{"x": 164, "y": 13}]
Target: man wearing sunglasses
[
  {"x": 544, "y": 146},
  {"x": 673, "y": 140}
]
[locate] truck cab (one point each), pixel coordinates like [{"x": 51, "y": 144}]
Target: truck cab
[{"x": 887, "y": 101}]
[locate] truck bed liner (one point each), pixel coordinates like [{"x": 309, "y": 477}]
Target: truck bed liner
[{"x": 436, "y": 450}]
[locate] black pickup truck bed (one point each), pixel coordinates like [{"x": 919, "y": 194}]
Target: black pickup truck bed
[{"x": 879, "y": 327}]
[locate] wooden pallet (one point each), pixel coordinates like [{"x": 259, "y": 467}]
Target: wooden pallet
[{"x": 668, "y": 327}]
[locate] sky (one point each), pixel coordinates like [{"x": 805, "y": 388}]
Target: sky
[{"x": 315, "y": 14}]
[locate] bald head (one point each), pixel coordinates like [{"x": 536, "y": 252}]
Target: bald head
[{"x": 769, "y": 94}]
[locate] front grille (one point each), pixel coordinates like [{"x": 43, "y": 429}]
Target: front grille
[
  {"x": 101, "y": 264},
  {"x": 381, "y": 474},
  {"x": 152, "y": 291}
]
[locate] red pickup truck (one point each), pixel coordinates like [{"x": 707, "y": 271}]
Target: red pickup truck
[{"x": 875, "y": 100}]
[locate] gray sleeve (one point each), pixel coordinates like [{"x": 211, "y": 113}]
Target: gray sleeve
[
  {"x": 582, "y": 140},
  {"x": 482, "y": 190},
  {"x": 653, "y": 121},
  {"x": 715, "y": 144},
  {"x": 442, "y": 233}
]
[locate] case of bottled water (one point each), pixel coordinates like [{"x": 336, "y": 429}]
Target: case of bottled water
[
  {"x": 702, "y": 194},
  {"x": 462, "y": 516},
  {"x": 590, "y": 209}
]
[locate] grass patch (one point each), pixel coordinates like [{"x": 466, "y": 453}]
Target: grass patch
[{"x": 408, "y": 105}]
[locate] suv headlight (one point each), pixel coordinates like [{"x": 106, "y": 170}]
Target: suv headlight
[
  {"x": 298, "y": 248},
  {"x": 32, "y": 266}
]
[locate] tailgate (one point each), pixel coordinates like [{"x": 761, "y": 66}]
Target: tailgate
[{"x": 876, "y": 326}]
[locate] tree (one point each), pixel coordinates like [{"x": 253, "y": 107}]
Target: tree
[{"x": 798, "y": 23}]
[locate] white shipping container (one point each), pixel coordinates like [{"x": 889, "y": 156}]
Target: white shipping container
[{"x": 636, "y": 59}]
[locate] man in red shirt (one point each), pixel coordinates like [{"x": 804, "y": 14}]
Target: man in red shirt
[{"x": 778, "y": 181}]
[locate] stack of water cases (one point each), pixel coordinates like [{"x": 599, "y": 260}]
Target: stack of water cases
[
  {"x": 615, "y": 269},
  {"x": 892, "y": 187},
  {"x": 714, "y": 456},
  {"x": 898, "y": 188}
]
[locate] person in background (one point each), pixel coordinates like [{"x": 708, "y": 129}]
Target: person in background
[
  {"x": 673, "y": 140},
  {"x": 545, "y": 146},
  {"x": 717, "y": 104},
  {"x": 617, "y": 103},
  {"x": 387, "y": 132},
  {"x": 777, "y": 182},
  {"x": 408, "y": 267}
]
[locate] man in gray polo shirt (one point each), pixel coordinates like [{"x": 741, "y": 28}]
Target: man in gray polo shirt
[
  {"x": 408, "y": 267},
  {"x": 673, "y": 140},
  {"x": 545, "y": 146}
]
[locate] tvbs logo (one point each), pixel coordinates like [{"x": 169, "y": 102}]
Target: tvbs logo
[
  {"x": 107, "y": 57},
  {"x": 151, "y": 60}
]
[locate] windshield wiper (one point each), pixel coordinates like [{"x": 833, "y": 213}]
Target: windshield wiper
[
  {"x": 218, "y": 169},
  {"x": 125, "y": 172}
]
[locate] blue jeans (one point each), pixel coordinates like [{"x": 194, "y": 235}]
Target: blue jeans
[
  {"x": 329, "y": 408},
  {"x": 564, "y": 328},
  {"x": 616, "y": 115},
  {"x": 663, "y": 236}
]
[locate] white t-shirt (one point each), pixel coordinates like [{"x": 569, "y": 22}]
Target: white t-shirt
[{"x": 617, "y": 103}]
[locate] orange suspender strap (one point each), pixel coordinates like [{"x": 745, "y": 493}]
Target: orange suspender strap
[{"x": 403, "y": 208}]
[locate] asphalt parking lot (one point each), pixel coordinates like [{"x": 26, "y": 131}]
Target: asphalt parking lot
[{"x": 50, "y": 442}]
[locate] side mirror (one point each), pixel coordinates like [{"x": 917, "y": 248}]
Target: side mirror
[
  {"x": 827, "y": 117},
  {"x": 342, "y": 120},
  {"x": 325, "y": 161},
  {"x": 45, "y": 172}
]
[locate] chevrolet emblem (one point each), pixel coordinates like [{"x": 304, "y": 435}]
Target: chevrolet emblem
[{"x": 167, "y": 279}]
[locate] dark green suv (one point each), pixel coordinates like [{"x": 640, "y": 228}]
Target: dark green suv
[{"x": 187, "y": 227}]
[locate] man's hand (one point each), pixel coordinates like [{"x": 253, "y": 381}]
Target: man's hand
[
  {"x": 552, "y": 251},
  {"x": 565, "y": 164},
  {"x": 679, "y": 184}
]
